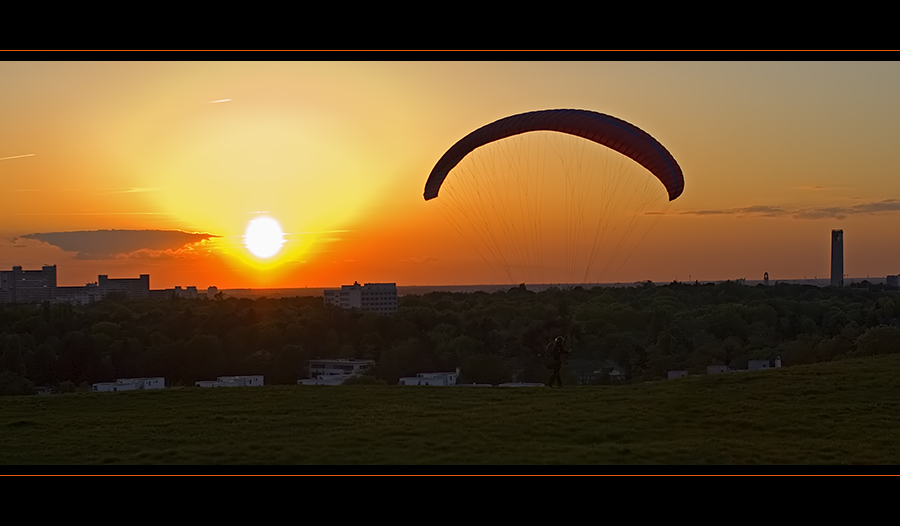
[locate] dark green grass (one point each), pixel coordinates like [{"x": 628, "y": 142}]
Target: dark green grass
[{"x": 834, "y": 413}]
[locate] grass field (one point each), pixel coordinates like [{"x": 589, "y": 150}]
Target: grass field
[{"x": 833, "y": 413}]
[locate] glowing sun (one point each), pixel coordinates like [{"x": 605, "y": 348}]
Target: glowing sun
[{"x": 263, "y": 237}]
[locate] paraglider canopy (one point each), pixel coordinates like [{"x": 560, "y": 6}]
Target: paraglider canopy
[
  {"x": 609, "y": 131},
  {"x": 555, "y": 195}
]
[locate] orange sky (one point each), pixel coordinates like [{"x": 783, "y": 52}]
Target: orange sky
[{"x": 775, "y": 155}]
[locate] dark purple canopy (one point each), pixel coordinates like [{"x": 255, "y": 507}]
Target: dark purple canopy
[{"x": 614, "y": 133}]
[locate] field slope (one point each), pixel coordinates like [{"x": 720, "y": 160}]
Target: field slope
[{"x": 845, "y": 412}]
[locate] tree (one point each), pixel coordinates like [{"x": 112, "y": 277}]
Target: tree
[
  {"x": 66, "y": 387},
  {"x": 405, "y": 358},
  {"x": 41, "y": 364},
  {"x": 13, "y": 384},
  {"x": 879, "y": 340},
  {"x": 834, "y": 321},
  {"x": 288, "y": 365},
  {"x": 11, "y": 358},
  {"x": 79, "y": 361},
  {"x": 484, "y": 369},
  {"x": 533, "y": 372},
  {"x": 203, "y": 358},
  {"x": 371, "y": 345}
]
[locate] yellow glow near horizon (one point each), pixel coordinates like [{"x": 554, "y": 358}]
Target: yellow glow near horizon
[
  {"x": 236, "y": 154},
  {"x": 775, "y": 155}
]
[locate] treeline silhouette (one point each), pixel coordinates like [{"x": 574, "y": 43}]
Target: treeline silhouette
[{"x": 641, "y": 332}]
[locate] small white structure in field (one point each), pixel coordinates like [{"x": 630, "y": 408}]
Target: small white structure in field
[
  {"x": 677, "y": 374},
  {"x": 243, "y": 381},
  {"x": 130, "y": 384},
  {"x": 716, "y": 369},
  {"x": 757, "y": 365},
  {"x": 232, "y": 381},
  {"x": 614, "y": 372},
  {"x": 112, "y": 386},
  {"x": 522, "y": 384},
  {"x": 442, "y": 379}
]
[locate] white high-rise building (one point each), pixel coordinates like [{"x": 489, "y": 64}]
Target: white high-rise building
[
  {"x": 27, "y": 286},
  {"x": 375, "y": 297}
]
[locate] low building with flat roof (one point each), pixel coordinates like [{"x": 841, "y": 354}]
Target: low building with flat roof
[
  {"x": 324, "y": 371},
  {"x": 441, "y": 379},
  {"x": 88, "y": 293},
  {"x": 757, "y": 365},
  {"x": 133, "y": 288},
  {"x": 328, "y": 367},
  {"x": 232, "y": 381},
  {"x": 130, "y": 384}
]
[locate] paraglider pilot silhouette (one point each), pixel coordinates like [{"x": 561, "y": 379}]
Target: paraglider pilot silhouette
[{"x": 555, "y": 351}]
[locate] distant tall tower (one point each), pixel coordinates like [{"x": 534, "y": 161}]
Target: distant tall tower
[{"x": 837, "y": 258}]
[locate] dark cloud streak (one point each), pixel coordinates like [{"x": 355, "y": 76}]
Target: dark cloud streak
[
  {"x": 109, "y": 244},
  {"x": 829, "y": 212}
]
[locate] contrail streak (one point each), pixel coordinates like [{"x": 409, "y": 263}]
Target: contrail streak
[
  {"x": 129, "y": 190},
  {"x": 215, "y": 101},
  {"x": 17, "y": 156},
  {"x": 323, "y": 231},
  {"x": 91, "y": 213}
]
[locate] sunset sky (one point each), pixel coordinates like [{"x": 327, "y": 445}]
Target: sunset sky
[{"x": 775, "y": 155}]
